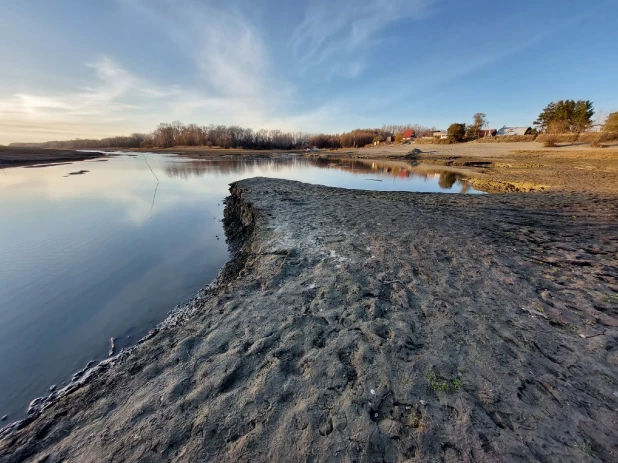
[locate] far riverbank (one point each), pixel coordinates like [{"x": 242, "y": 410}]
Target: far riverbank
[{"x": 18, "y": 157}]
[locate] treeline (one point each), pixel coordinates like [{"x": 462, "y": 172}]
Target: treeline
[{"x": 168, "y": 135}]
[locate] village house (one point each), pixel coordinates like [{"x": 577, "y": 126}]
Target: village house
[
  {"x": 510, "y": 131},
  {"x": 486, "y": 133},
  {"x": 409, "y": 135}
]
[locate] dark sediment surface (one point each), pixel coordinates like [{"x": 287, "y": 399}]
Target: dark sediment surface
[
  {"x": 370, "y": 326},
  {"x": 11, "y": 156}
]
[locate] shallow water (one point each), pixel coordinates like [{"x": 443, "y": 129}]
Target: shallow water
[{"x": 93, "y": 250}]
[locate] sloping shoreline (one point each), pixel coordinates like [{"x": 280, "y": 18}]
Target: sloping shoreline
[
  {"x": 19, "y": 157},
  {"x": 362, "y": 325}
]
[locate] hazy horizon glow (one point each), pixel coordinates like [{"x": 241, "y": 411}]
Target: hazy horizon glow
[{"x": 95, "y": 69}]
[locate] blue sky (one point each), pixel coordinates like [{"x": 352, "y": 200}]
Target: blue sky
[{"x": 93, "y": 68}]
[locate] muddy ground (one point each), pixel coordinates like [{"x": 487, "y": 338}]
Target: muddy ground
[
  {"x": 511, "y": 167},
  {"x": 493, "y": 167},
  {"x": 16, "y": 157},
  {"x": 369, "y": 326}
]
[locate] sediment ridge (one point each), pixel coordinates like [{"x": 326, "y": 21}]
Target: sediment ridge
[
  {"x": 19, "y": 156},
  {"x": 369, "y": 326}
]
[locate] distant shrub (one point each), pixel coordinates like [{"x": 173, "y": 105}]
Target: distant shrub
[
  {"x": 434, "y": 141},
  {"x": 611, "y": 123},
  {"x": 550, "y": 141},
  {"x": 508, "y": 139},
  {"x": 559, "y": 137},
  {"x": 603, "y": 137},
  {"x": 456, "y": 132}
]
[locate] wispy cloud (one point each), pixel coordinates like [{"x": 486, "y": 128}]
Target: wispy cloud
[
  {"x": 116, "y": 96},
  {"x": 226, "y": 50},
  {"x": 341, "y": 34}
]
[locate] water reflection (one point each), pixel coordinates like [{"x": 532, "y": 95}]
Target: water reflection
[{"x": 394, "y": 169}]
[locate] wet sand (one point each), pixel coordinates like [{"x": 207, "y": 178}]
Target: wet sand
[
  {"x": 17, "y": 157},
  {"x": 369, "y": 326}
]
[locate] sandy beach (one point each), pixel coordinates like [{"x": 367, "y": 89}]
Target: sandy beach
[{"x": 366, "y": 326}]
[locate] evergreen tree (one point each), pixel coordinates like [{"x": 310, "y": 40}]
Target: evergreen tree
[{"x": 566, "y": 116}]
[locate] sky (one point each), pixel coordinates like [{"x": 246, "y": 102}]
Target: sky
[{"x": 95, "y": 68}]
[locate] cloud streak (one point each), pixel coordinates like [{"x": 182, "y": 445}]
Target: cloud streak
[
  {"x": 342, "y": 35},
  {"x": 116, "y": 97}
]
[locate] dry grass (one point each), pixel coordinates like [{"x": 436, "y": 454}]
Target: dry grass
[
  {"x": 548, "y": 138},
  {"x": 603, "y": 137},
  {"x": 434, "y": 141},
  {"x": 598, "y": 154},
  {"x": 508, "y": 139}
]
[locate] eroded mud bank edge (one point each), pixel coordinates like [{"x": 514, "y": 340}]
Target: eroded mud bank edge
[{"x": 239, "y": 224}]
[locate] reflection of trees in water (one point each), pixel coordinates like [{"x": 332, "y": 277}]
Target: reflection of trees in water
[
  {"x": 447, "y": 180},
  {"x": 392, "y": 169},
  {"x": 198, "y": 168}
]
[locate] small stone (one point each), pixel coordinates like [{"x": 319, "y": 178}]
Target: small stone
[
  {"x": 582, "y": 336},
  {"x": 373, "y": 392},
  {"x": 423, "y": 402},
  {"x": 4, "y": 418},
  {"x": 52, "y": 388},
  {"x": 391, "y": 428}
]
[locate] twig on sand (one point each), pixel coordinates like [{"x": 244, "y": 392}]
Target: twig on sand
[
  {"x": 390, "y": 282},
  {"x": 284, "y": 259}
]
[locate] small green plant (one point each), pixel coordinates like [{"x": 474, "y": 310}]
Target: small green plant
[
  {"x": 605, "y": 377},
  {"x": 457, "y": 383},
  {"x": 448, "y": 386},
  {"x": 571, "y": 327}
]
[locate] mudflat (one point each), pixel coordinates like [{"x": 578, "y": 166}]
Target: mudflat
[
  {"x": 512, "y": 167},
  {"x": 368, "y": 326},
  {"x": 18, "y": 156},
  {"x": 493, "y": 167}
]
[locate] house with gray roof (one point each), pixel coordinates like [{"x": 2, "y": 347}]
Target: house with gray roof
[{"x": 509, "y": 131}]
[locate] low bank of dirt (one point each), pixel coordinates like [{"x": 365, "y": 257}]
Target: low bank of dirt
[
  {"x": 15, "y": 157},
  {"x": 371, "y": 326}
]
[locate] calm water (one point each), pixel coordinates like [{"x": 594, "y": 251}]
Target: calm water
[{"x": 110, "y": 251}]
